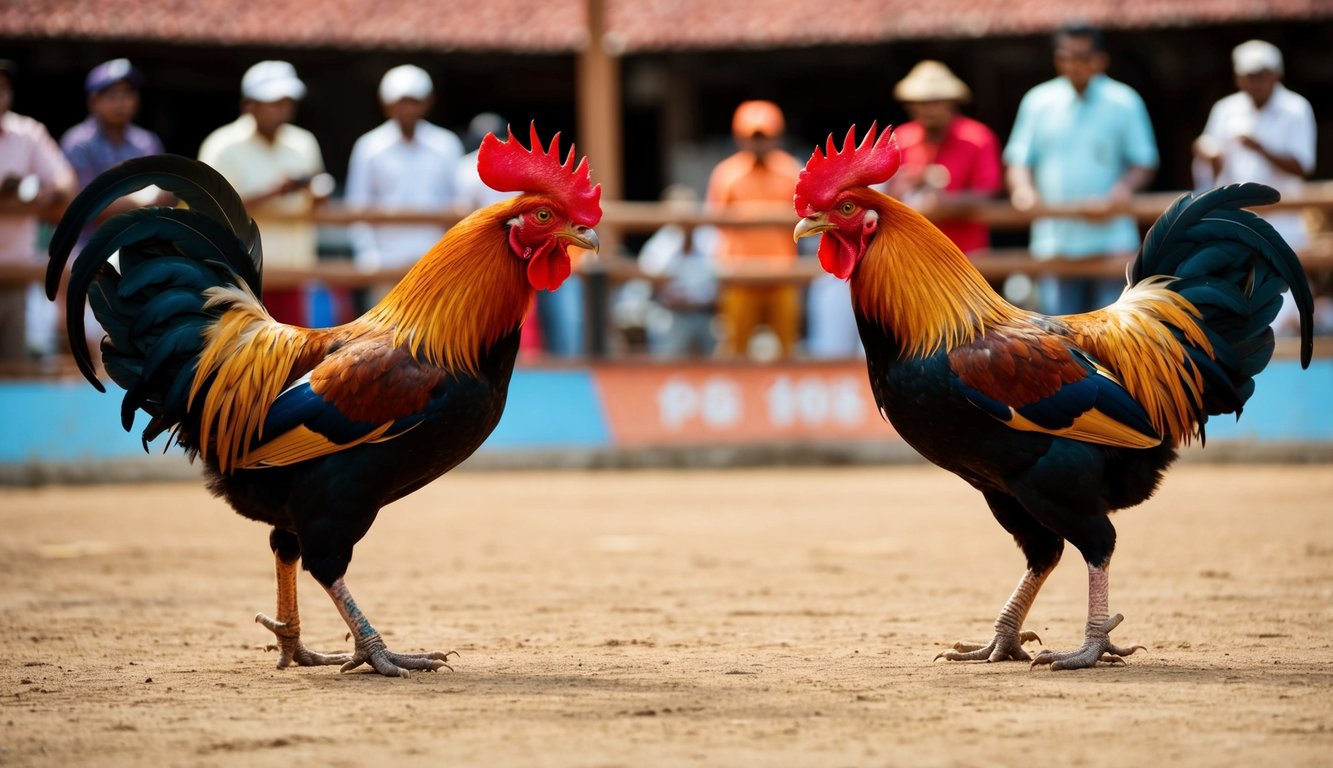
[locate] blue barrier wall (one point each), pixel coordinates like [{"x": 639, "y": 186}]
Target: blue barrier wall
[{"x": 69, "y": 422}]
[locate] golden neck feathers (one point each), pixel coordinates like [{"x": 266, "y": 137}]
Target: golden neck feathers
[
  {"x": 463, "y": 296},
  {"x": 917, "y": 284}
]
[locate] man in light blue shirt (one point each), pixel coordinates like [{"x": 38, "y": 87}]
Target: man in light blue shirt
[{"x": 1080, "y": 138}]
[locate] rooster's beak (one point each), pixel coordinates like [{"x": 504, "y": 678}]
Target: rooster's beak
[
  {"x": 583, "y": 237},
  {"x": 811, "y": 225}
]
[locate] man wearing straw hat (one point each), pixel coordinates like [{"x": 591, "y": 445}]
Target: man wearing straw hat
[{"x": 949, "y": 160}]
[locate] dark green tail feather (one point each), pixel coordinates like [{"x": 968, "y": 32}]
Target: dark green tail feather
[
  {"x": 202, "y": 188},
  {"x": 152, "y": 309},
  {"x": 1212, "y": 234},
  {"x": 1233, "y": 267}
]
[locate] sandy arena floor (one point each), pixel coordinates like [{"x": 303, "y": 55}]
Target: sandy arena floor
[{"x": 765, "y": 617}]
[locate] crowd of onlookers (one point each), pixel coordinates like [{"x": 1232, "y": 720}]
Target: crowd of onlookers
[{"x": 1080, "y": 137}]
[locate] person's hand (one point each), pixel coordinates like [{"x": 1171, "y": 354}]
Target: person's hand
[
  {"x": 1121, "y": 195},
  {"x": 1023, "y": 198},
  {"x": 1249, "y": 142},
  {"x": 288, "y": 186},
  {"x": 25, "y": 190},
  {"x": 1207, "y": 147}
]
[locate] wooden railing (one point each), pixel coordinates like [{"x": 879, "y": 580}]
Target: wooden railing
[{"x": 621, "y": 218}]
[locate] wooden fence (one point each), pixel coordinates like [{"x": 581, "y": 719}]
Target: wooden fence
[{"x": 621, "y": 218}]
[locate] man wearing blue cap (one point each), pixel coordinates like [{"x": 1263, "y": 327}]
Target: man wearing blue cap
[
  {"x": 106, "y": 137},
  {"x": 109, "y": 136}
]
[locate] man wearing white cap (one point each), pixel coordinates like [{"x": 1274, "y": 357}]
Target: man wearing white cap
[
  {"x": 1262, "y": 133},
  {"x": 405, "y": 164},
  {"x": 272, "y": 164}
]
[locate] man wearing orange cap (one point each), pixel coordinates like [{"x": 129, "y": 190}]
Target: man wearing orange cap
[{"x": 759, "y": 176}]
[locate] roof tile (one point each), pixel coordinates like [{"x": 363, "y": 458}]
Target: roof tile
[{"x": 633, "y": 25}]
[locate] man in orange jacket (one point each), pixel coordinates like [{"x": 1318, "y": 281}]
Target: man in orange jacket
[{"x": 760, "y": 175}]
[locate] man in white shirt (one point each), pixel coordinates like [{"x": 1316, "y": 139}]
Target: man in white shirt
[
  {"x": 405, "y": 164},
  {"x": 272, "y": 165},
  {"x": 1262, "y": 133}
]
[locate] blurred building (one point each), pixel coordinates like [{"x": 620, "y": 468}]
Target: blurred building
[{"x": 680, "y": 65}]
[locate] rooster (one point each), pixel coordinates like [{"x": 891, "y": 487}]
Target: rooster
[
  {"x": 313, "y": 431},
  {"x": 1057, "y": 421}
]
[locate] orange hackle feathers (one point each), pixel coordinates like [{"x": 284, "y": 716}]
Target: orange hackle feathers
[
  {"x": 460, "y": 299},
  {"x": 915, "y": 281},
  {"x": 506, "y": 166},
  {"x": 464, "y": 295},
  {"x": 831, "y": 171},
  {"x": 248, "y": 358},
  {"x": 1133, "y": 338}
]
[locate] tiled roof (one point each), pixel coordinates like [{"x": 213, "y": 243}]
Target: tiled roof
[
  {"x": 633, "y": 25},
  {"x": 500, "y": 25},
  {"x": 644, "y": 25}
]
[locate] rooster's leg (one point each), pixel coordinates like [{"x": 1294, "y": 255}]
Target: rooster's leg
[
  {"x": 370, "y": 647},
  {"x": 287, "y": 626},
  {"x": 1009, "y": 635},
  {"x": 1097, "y": 639}
]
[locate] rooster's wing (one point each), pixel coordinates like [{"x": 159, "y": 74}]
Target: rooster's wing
[
  {"x": 364, "y": 391},
  {"x": 1037, "y": 381}
]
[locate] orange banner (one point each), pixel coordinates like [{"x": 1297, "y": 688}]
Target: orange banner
[{"x": 715, "y": 404}]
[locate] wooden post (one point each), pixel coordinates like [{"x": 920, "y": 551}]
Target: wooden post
[
  {"x": 599, "y": 107},
  {"x": 599, "y": 111}
]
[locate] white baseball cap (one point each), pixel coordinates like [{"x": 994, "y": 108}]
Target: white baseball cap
[
  {"x": 1254, "y": 56},
  {"x": 405, "y": 82},
  {"x": 270, "y": 81}
]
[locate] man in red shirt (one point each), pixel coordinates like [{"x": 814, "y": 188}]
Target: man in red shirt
[{"x": 948, "y": 160}]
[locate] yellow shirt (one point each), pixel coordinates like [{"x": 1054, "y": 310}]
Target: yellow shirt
[
  {"x": 253, "y": 166},
  {"x": 741, "y": 181}
]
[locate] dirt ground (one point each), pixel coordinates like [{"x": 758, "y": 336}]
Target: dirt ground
[{"x": 747, "y": 617}]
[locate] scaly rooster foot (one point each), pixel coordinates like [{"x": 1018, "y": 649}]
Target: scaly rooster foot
[
  {"x": 1005, "y": 647},
  {"x": 372, "y": 651},
  {"x": 291, "y": 651},
  {"x": 1096, "y": 647}
]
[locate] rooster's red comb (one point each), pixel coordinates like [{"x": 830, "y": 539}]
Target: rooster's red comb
[
  {"x": 831, "y": 170},
  {"x": 506, "y": 166}
]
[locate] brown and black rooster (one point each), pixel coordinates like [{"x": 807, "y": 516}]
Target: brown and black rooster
[
  {"x": 313, "y": 431},
  {"x": 1057, "y": 421}
]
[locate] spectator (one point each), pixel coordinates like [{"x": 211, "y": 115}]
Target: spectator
[
  {"x": 108, "y": 136},
  {"x": 278, "y": 169},
  {"x": 1263, "y": 133},
  {"x": 1080, "y": 138},
  {"x": 680, "y": 321},
  {"x": 34, "y": 178},
  {"x": 405, "y": 164},
  {"x": 758, "y": 176},
  {"x": 948, "y": 160}
]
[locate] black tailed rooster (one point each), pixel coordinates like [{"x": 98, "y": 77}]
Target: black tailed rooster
[
  {"x": 1056, "y": 420},
  {"x": 313, "y": 431}
]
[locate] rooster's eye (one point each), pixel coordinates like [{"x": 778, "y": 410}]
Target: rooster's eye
[
  {"x": 847, "y": 208},
  {"x": 542, "y": 215}
]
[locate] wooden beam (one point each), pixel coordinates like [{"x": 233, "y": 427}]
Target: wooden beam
[{"x": 599, "y": 105}]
